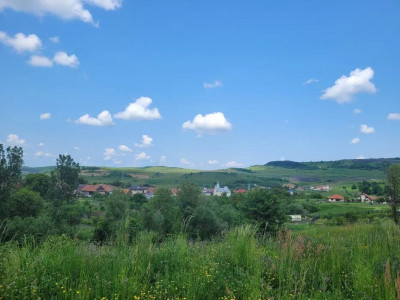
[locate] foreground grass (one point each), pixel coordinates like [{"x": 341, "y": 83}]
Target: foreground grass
[{"x": 350, "y": 262}]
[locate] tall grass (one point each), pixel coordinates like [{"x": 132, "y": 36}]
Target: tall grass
[{"x": 349, "y": 262}]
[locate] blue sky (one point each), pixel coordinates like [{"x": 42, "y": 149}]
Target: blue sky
[{"x": 199, "y": 84}]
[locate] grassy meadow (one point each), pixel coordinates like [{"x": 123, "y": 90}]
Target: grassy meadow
[{"x": 360, "y": 261}]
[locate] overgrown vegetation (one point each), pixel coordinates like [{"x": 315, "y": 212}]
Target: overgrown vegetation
[{"x": 54, "y": 244}]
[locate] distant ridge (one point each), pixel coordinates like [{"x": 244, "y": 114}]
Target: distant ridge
[{"x": 368, "y": 164}]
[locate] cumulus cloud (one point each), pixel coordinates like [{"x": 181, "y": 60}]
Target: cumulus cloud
[
  {"x": 64, "y": 9},
  {"x": 103, "y": 119},
  {"x": 54, "y": 39},
  {"x": 142, "y": 156},
  {"x": 357, "y": 111},
  {"x": 393, "y": 116},
  {"x": 43, "y": 154},
  {"x": 62, "y": 58},
  {"x": 77, "y": 148},
  {"x": 106, "y": 4},
  {"x": 45, "y": 116},
  {"x": 40, "y": 61},
  {"x": 213, "y": 85},
  {"x": 209, "y": 123},
  {"x": 233, "y": 164},
  {"x": 139, "y": 110},
  {"x": 347, "y": 86},
  {"x": 146, "y": 141},
  {"x": 355, "y": 141},
  {"x": 14, "y": 139},
  {"x": 41, "y": 144},
  {"x": 21, "y": 42},
  {"x": 365, "y": 129},
  {"x": 124, "y": 148},
  {"x": 311, "y": 80},
  {"x": 185, "y": 161},
  {"x": 109, "y": 153},
  {"x": 212, "y": 162}
]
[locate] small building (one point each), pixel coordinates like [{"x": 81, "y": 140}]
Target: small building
[
  {"x": 219, "y": 191},
  {"x": 367, "y": 198},
  {"x": 137, "y": 190},
  {"x": 239, "y": 191},
  {"x": 295, "y": 218},
  {"x": 207, "y": 192},
  {"x": 89, "y": 189},
  {"x": 336, "y": 198}
]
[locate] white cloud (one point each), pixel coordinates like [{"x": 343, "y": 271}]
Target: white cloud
[
  {"x": 393, "y": 116},
  {"x": 60, "y": 58},
  {"x": 162, "y": 159},
  {"x": 54, "y": 39},
  {"x": 210, "y": 123},
  {"x": 124, "y": 148},
  {"x": 21, "y": 42},
  {"x": 347, "y": 86},
  {"x": 77, "y": 148},
  {"x": 45, "y": 116},
  {"x": 146, "y": 141},
  {"x": 41, "y": 144},
  {"x": 142, "y": 156},
  {"x": 233, "y": 164},
  {"x": 355, "y": 141},
  {"x": 139, "y": 110},
  {"x": 64, "y": 9},
  {"x": 106, "y": 4},
  {"x": 13, "y": 139},
  {"x": 365, "y": 129},
  {"x": 117, "y": 162},
  {"x": 43, "y": 154},
  {"x": 103, "y": 119},
  {"x": 185, "y": 161},
  {"x": 357, "y": 111},
  {"x": 215, "y": 84},
  {"x": 212, "y": 162},
  {"x": 40, "y": 61},
  {"x": 109, "y": 153},
  {"x": 311, "y": 80},
  {"x": 360, "y": 157},
  {"x": 64, "y": 59}
]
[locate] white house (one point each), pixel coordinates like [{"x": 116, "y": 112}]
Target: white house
[{"x": 295, "y": 218}]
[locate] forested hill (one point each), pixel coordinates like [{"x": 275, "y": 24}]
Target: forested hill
[{"x": 379, "y": 164}]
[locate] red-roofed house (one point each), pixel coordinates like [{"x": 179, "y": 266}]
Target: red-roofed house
[
  {"x": 90, "y": 189},
  {"x": 336, "y": 198},
  {"x": 240, "y": 191}
]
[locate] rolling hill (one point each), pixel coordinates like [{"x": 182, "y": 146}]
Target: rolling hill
[{"x": 271, "y": 174}]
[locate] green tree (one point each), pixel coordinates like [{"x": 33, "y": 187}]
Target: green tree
[
  {"x": 25, "y": 203},
  {"x": 263, "y": 207},
  {"x": 63, "y": 182},
  {"x": 189, "y": 198},
  {"x": 38, "y": 183},
  {"x": 10, "y": 175},
  {"x": 161, "y": 213},
  {"x": 393, "y": 183}
]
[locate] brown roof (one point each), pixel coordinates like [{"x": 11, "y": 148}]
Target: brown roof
[
  {"x": 336, "y": 197},
  {"x": 97, "y": 188},
  {"x": 373, "y": 198}
]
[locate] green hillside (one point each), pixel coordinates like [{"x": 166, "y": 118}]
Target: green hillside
[{"x": 339, "y": 172}]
